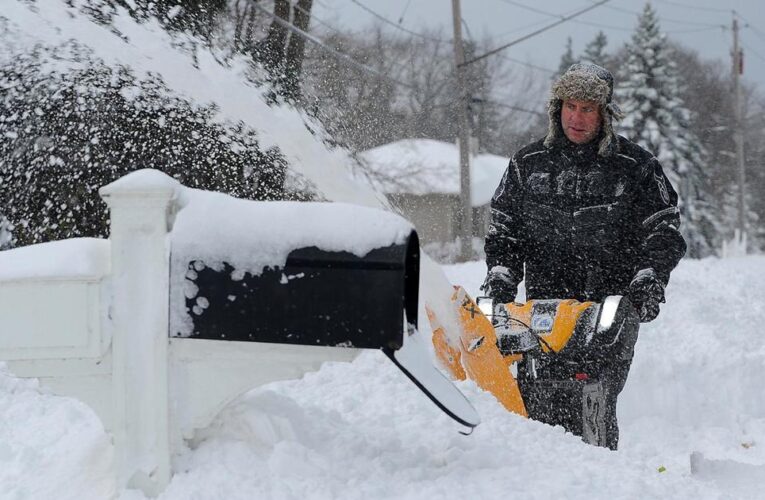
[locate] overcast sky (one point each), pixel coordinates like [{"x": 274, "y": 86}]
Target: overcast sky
[{"x": 704, "y": 25}]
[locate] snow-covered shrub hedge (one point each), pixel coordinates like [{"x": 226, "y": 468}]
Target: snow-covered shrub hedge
[{"x": 70, "y": 124}]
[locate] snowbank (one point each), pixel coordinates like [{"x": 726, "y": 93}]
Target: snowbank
[
  {"x": 361, "y": 430},
  {"x": 696, "y": 379},
  {"x": 50, "y": 447}
]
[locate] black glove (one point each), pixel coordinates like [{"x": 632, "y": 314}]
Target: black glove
[
  {"x": 500, "y": 285},
  {"x": 646, "y": 292}
]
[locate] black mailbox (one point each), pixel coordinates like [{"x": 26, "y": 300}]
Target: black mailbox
[
  {"x": 317, "y": 298},
  {"x": 322, "y": 298}
]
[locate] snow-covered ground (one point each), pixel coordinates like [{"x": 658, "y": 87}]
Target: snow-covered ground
[{"x": 361, "y": 430}]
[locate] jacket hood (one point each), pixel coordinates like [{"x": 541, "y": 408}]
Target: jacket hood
[{"x": 584, "y": 82}]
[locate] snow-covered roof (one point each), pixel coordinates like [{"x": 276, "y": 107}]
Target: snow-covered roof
[{"x": 425, "y": 166}]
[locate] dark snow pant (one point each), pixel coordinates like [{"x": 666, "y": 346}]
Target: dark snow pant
[{"x": 614, "y": 381}]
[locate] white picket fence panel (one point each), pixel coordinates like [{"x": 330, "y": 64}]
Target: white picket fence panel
[{"x": 103, "y": 339}]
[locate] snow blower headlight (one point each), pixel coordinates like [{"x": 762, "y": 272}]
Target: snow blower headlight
[
  {"x": 608, "y": 312},
  {"x": 486, "y": 305}
]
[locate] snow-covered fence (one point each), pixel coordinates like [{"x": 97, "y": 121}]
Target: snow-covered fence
[{"x": 108, "y": 322}]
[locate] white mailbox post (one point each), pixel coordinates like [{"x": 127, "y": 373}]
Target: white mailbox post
[{"x": 138, "y": 306}]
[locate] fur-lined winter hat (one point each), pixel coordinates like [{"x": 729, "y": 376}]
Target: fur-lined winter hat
[{"x": 584, "y": 82}]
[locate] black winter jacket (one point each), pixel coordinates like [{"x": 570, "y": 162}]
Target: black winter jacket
[{"x": 583, "y": 224}]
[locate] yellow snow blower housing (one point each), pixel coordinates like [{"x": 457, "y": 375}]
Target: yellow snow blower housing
[{"x": 563, "y": 346}]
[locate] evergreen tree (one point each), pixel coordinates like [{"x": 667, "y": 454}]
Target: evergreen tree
[
  {"x": 657, "y": 119},
  {"x": 595, "y": 53},
  {"x": 567, "y": 59}
]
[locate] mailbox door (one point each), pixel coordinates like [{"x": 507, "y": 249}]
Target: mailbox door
[{"x": 317, "y": 298}]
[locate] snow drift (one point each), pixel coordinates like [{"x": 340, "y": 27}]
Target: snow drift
[
  {"x": 335, "y": 433},
  {"x": 694, "y": 386}
]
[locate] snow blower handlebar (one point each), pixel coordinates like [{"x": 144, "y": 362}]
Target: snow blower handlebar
[{"x": 547, "y": 326}]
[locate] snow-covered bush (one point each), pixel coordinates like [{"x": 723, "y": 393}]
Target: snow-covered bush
[
  {"x": 198, "y": 17},
  {"x": 70, "y": 124}
]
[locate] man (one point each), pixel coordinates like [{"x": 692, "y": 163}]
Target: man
[{"x": 588, "y": 214}]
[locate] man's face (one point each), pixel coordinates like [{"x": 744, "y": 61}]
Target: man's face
[{"x": 580, "y": 120}]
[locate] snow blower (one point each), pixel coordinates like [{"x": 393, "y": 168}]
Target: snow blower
[{"x": 557, "y": 350}]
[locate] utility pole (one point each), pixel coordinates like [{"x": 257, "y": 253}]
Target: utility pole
[
  {"x": 466, "y": 210},
  {"x": 738, "y": 69}
]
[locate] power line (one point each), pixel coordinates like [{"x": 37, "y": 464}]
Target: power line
[
  {"x": 515, "y": 108},
  {"x": 509, "y": 59},
  {"x": 524, "y": 27},
  {"x": 524, "y": 63},
  {"x": 397, "y": 26},
  {"x": 694, "y": 7},
  {"x": 721, "y": 27},
  {"x": 756, "y": 30},
  {"x": 395, "y": 63},
  {"x": 406, "y": 7},
  {"x": 502, "y": 56},
  {"x": 663, "y": 19},
  {"x": 325, "y": 47},
  {"x": 340, "y": 32},
  {"x": 599, "y": 25},
  {"x": 669, "y": 32},
  {"x": 706, "y": 26},
  {"x": 313, "y": 17},
  {"x": 747, "y": 47},
  {"x": 534, "y": 33},
  {"x": 604, "y": 26},
  {"x": 323, "y": 4},
  {"x": 467, "y": 29},
  {"x": 561, "y": 16},
  {"x": 530, "y": 8}
]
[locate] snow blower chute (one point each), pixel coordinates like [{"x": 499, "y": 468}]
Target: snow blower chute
[{"x": 563, "y": 347}]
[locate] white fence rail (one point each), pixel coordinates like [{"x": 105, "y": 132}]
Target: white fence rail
[{"x": 103, "y": 338}]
